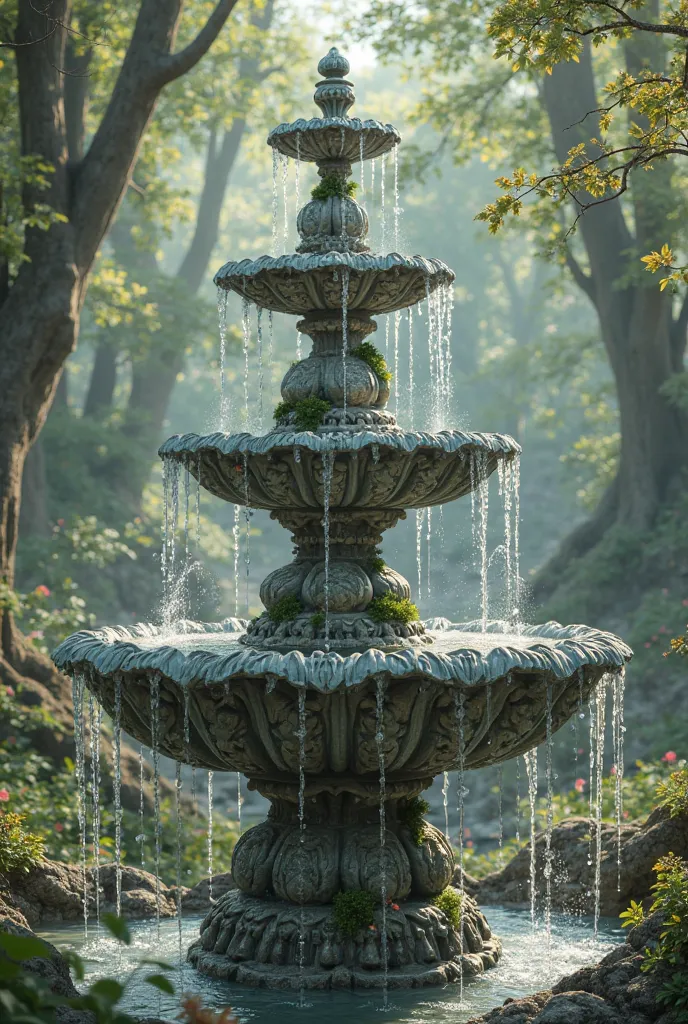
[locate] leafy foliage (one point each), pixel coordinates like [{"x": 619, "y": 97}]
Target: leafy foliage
[
  {"x": 332, "y": 186},
  {"x": 353, "y": 910},
  {"x": 375, "y": 360},
  {"x": 308, "y": 412},
  {"x": 388, "y": 608},
  {"x": 286, "y": 608},
  {"x": 318, "y": 620},
  {"x": 19, "y": 850},
  {"x": 673, "y": 793},
  {"x": 671, "y": 900},
  {"x": 411, "y": 817},
  {"x": 449, "y": 902},
  {"x": 376, "y": 563}
]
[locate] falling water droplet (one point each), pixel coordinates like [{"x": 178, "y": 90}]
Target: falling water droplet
[
  {"x": 239, "y": 801},
  {"x": 142, "y": 807},
  {"x": 261, "y": 375},
  {"x": 236, "y": 540},
  {"x": 362, "y": 162},
  {"x": 411, "y": 373},
  {"x": 531, "y": 762},
  {"x": 397, "y": 323},
  {"x": 327, "y": 468},
  {"x": 396, "y": 199},
  {"x": 345, "y": 331},
  {"x": 247, "y": 517},
  {"x": 428, "y": 538},
  {"x": 460, "y": 713},
  {"x": 246, "y": 328},
  {"x": 301, "y": 737},
  {"x": 420, "y": 512},
  {"x": 297, "y": 172},
  {"x": 274, "y": 202},
  {"x": 600, "y": 713},
  {"x": 222, "y": 297},
  {"x": 550, "y": 819},
  {"x": 285, "y": 204},
  {"x": 178, "y": 820},
  {"x": 483, "y": 486},
  {"x": 500, "y": 810},
  {"x": 383, "y": 169},
  {"x": 298, "y": 347},
  {"x": 95, "y": 714},
  {"x": 117, "y": 791},
  {"x": 271, "y": 336},
  {"x": 619, "y": 684},
  {"x": 445, "y": 802},
  {"x": 155, "y": 741},
  {"x": 80, "y": 773}
]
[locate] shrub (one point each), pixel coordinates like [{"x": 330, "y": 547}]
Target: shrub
[
  {"x": 411, "y": 817},
  {"x": 318, "y": 620},
  {"x": 449, "y": 902},
  {"x": 673, "y": 793},
  {"x": 353, "y": 910},
  {"x": 332, "y": 186},
  {"x": 19, "y": 850},
  {"x": 375, "y": 360},
  {"x": 671, "y": 900},
  {"x": 285, "y": 609},
  {"x": 392, "y": 609},
  {"x": 308, "y": 412}
]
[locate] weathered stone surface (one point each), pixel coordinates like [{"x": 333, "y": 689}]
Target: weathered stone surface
[
  {"x": 256, "y": 942},
  {"x": 573, "y": 878},
  {"x": 614, "y": 991}
]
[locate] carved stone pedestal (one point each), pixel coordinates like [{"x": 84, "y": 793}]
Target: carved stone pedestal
[
  {"x": 280, "y": 929},
  {"x": 258, "y": 941}
]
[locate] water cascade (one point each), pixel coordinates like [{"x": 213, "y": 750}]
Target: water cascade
[{"x": 317, "y": 699}]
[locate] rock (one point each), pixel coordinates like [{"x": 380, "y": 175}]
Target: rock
[
  {"x": 197, "y": 899},
  {"x": 573, "y": 877},
  {"x": 614, "y": 991}
]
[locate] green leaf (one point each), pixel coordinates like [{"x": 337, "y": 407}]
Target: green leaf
[
  {"x": 117, "y": 927},
  {"x": 161, "y": 982},
  {"x": 23, "y": 947},
  {"x": 162, "y": 964},
  {"x": 107, "y": 989}
]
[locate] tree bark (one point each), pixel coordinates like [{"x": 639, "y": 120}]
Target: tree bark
[
  {"x": 103, "y": 380},
  {"x": 39, "y": 319},
  {"x": 640, "y": 335}
]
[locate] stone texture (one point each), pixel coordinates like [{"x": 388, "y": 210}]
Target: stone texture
[
  {"x": 615, "y": 991},
  {"x": 573, "y": 879},
  {"x": 256, "y": 942}
]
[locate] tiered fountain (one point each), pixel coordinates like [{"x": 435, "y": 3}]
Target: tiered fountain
[{"x": 336, "y": 702}]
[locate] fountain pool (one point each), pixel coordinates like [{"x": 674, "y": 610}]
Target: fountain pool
[{"x": 530, "y": 962}]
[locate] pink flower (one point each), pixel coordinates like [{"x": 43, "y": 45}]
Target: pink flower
[
  {"x": 669, "y": 757},
  {"x": 59, "y": 827},
  {"x": 35, "y": 634},
  {"x": 372, "y": 928},
  {"x": 395, "y": 906},
  {"x": 469, "y": 844},
  {"x": 684, "y": 602},
  {"x": 579, "y": 785},
  {"x": 60, "y": 522},
  {"x": 42, "y": 590},
  {"x": 580, "y": 750},
  {"x": 9, "y": 691},
  {"x": 625, "y": 815},
  {"x": 662, "y": 629},
  {"x": 655, "y": 638},
  {"x": 665, "y": 591},
  {"x": 648, "y": 644},
  {"x": 467, "y": 832},
  {"x": 4, "y": 795},
  {"x": 612, "y": 770}
]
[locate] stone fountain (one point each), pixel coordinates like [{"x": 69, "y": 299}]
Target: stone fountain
[{"x": 337, "y": 703}]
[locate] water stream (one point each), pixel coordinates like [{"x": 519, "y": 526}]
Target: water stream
[
  {"x": 531, "y": 762},
  {"x": 301, "y": 737},
  {"x": 380, "y": 744},
  {"x": 78, "y": 685}
]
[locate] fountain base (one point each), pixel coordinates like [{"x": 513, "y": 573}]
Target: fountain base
[{"x": 264, "y": 942}]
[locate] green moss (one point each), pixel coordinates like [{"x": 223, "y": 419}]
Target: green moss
[
  {"x": 318, "y": 620},
  {"x": 377, "y": 563},
  {"x": 353, "y": 910},
  {"x": 411, "y": 817},
  {"x": 285, "y": 609},
  {"x": 308, "y": 412},
  {"x": 449, "y": 902},
  {"x": 374, "y": 358},
  {"x": 19, "y": 850},
  {"x": 334, "y": 186},
  {"x": 392, "y": 609}
]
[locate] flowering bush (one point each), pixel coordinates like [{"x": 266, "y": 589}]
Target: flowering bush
[{"x": 19, "y": 850}]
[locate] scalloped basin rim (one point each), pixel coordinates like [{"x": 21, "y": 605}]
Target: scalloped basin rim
[
  {"x": 404, "y": 440},
  {"x": 308, "y": 262},
  {"x": 318, "y": 124},
  {"x": 547, "y": 648}
]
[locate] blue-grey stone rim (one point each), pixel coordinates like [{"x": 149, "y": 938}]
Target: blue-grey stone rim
[
  {"x": 307, "y": 262},
  {"x": 279, "y": 437},
  {"x": 307, "y": 141},
  {"x": 114, "y": 649}
]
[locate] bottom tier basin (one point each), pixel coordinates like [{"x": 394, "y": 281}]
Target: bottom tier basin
[{"x": 342, "y": 746}]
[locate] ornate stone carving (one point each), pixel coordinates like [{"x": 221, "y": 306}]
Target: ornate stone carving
[
  {"x": 332, "y": 225},
  {"x": 257, "y": 942},
  {"x": 323, "y": 377}
]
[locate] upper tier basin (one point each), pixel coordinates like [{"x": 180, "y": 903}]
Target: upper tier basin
[
  {"x": 300, "y": 284},
  {"x": 334, "y": 138},
  {"x": 385, "y": 469},
  {"x": 243, "y": 703}
]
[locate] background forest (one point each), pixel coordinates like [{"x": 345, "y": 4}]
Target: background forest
[{"x": 538, "y": 333}]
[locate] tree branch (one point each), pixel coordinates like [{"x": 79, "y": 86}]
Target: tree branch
[
  {"x": 583, "y": 280},
  {"x": 176, "y": 64}
]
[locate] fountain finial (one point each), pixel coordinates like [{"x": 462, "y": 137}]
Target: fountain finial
[{"x": 334, "y": 95}]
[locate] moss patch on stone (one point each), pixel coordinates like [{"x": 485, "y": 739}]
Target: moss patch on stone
[
  {"x": 332, "y": 186},
  {"x": 353, "y": 910},
  {"x": 411, "y": 817},
  {"x": 449, "y": 902},
  {"x": 308, "y": 412},
  {"x": 318, "y": 620},
  {"x": 285, "y": 609},
  {"x": 377, "y": 563},
  {"x": 374, "y": 358},
  {"x": 388, "y": 608}
]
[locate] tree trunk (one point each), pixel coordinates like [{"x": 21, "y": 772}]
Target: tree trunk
[
  {"x": 636, "y": 325},
  {"x": 101, "y": 387}
]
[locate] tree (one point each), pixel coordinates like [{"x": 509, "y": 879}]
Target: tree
[
  {"x": 66, "y": 203},
  {"x": 538, "y": 107}
]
